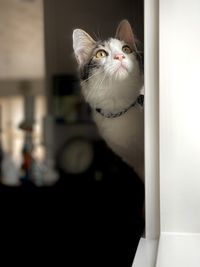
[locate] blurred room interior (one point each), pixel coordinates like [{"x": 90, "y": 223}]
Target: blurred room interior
[{"x": 49, "y": 146}]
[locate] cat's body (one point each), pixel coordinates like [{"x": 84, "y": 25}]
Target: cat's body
[
  {"x": 111, "y": 83},
  {"x": 124, "y": 135}
]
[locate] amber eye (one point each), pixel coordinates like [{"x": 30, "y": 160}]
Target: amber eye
[
  {"x": 126, "y": 49},
  {"x": 101, "y": 54}
]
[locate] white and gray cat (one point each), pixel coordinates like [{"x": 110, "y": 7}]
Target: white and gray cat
[{"x": 111, "y": 82}]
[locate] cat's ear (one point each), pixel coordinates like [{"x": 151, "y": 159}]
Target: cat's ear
[
  {"x": 124, "y": 33},
  {"x": 83, "y": 44}
]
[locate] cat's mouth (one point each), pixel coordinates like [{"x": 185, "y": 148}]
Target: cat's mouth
[
  {"x": 121, "y": 70},
  {"x": 122, "y": 66}
]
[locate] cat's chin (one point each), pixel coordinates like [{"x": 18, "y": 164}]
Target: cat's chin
[{"x": 121, "y": 73}]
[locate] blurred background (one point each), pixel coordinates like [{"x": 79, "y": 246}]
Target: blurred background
[{"x": 54, "y": 166}]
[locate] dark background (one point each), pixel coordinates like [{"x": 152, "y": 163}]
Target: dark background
[{"x": 81, "y": 220}]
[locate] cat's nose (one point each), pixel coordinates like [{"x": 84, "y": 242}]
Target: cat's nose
[{"x": 119, "y": 57}]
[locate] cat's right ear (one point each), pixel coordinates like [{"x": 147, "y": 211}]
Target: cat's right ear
[
  {"x": 83, "y": 44},
  {"x": 124, "y": 33}
]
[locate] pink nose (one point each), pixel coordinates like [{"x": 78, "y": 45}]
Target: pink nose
[{"x": 119, "y": 57}]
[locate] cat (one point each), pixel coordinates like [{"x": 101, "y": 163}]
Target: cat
[{"x": 111, "y": 82}]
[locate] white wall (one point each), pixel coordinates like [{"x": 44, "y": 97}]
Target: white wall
[
  {"x": 151, "y": 76},
  {"x": 179, "y": 115}
]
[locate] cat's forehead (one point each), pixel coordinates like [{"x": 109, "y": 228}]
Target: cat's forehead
[{"x": 112, "y": 43}]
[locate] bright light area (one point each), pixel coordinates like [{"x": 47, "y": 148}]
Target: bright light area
[{"x": 12, "y": 114}]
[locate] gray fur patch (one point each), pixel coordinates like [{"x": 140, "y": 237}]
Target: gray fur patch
[{"x": 87, "y": 69}]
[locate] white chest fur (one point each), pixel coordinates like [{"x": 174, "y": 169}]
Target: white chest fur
[{"x": 125, "y": 136}]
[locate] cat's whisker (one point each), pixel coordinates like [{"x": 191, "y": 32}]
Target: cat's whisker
[
  {"x": 111, "y": 70},
  {"x": 105, "y": 75},
  {"x": 99, "y": 82},
  {"x": 102, "y": 80},
  {"x": 97, "y": 35},
  {"x": 93, "y": 75}
]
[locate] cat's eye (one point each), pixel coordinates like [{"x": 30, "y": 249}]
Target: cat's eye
[
  {"x": 126, "y": 49},
  {"x": 101, "y": 54}
]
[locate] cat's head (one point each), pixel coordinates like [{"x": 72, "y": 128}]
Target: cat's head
[{"x": 109, "y": 62}]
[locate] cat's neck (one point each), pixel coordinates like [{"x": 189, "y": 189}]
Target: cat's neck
[
  {"x": 115, "y": 96},
  {"x": 138, "y": 102}
]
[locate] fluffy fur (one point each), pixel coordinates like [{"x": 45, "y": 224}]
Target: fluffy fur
[{"x": 113, "y": 82}]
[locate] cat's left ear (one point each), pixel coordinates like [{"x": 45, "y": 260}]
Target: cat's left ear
[
  {"x": 124, "y": 33},
  {"x": 83, "y": 44}
]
